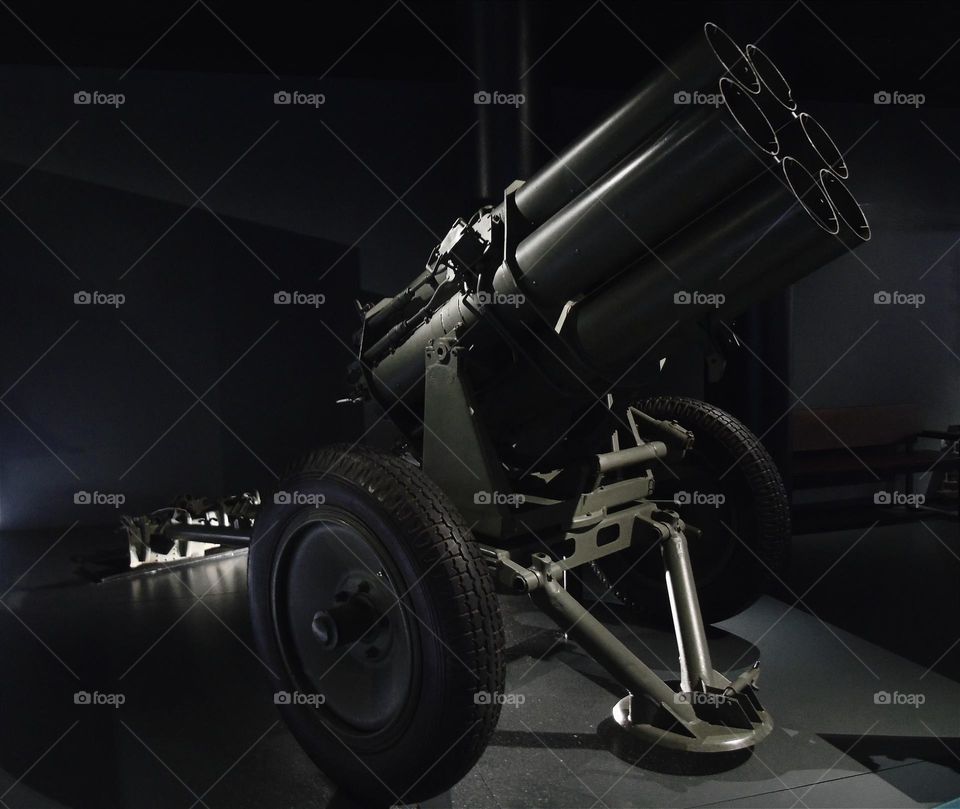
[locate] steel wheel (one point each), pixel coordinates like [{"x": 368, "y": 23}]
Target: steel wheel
[
  {"x": 343, "y": 632},
  {"x": 372, "y": 606}
]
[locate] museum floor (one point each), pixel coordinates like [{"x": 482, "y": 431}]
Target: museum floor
[{"x": 198, "y": 727}]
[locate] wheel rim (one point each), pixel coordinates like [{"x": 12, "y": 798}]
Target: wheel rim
[{"x": 345, "y": 638}]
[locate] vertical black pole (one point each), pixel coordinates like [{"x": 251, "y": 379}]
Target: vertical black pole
[
  {"x": 482, "y": 60},
  {"x": 532, "y": 152}
]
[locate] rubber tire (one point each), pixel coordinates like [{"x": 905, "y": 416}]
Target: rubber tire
[
  {"x": 451, "y": 593},
  {"x": 759, "y": 512}
]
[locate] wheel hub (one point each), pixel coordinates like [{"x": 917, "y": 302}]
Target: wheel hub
[
  {"x": 354, "y": 619},
  {"x": 349, "y": 638}
]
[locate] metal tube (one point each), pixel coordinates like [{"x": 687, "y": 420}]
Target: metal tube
[
  {"x": 622, "y": 664},
  {"x": 801, "y": 136},
  {"x": 824, "y": 146},
  {"x": 621, "y": 459},
  {"x": 779, "y": 221},
  {"x": 698, "y": 160},
  {"x": 856, "y": 229},
  {"x": 807, "y": 141},
  {"x": 712, "y": 55},
  {"x": 218, "y": 535},
  {"x": 695, "y": 664},
  {"x": 775, "y": 97},
  {"x": 399, "y": 375},
  {"x": 399, "y": 372},
  {"x": 392, "y": 306},
  {"x": 853, "y": 231}
]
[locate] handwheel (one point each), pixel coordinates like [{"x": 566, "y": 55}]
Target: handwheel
[
  {"x": 372, "y": 606},
  {"x": 744, "y": 541}
]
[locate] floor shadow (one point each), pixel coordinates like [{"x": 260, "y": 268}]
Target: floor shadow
[
  {"x": 554, "y": 740},
  {"x": 934, "y": 777},
  {"x": 876, "y": 752}
]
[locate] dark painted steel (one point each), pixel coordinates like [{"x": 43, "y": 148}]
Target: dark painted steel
[
  {"x": 696, "y": 161},
  {"x": 210, "y": 533},
  {"x": 775, "y": 97},
  {"x": 853, "y": 231},
  {"x": 806, "y": 139},
  {"x": 696, "y": 668},
  {"x": 750, "y": 237},
  {"x": 701, "y": 65}
]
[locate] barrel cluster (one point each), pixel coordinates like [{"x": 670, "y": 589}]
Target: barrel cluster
[{"x": 701, "y": 194}]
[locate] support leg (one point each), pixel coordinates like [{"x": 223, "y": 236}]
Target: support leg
[
  {"x": 708, "y": 713},
  {"x": 696, "y": 669}
]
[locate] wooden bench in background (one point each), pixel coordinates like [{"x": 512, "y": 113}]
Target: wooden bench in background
[{"x": 884, "y": 448}]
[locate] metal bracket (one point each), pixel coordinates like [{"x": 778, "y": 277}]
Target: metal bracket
[
  {"x": 707, "y": 712},
  {"x": 456, "y": 450}
]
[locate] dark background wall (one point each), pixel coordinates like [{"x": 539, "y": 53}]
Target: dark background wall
[{"x": 353, "y": 194}]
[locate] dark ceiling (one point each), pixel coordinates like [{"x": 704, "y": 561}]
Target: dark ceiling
[{"x": 593, "y": 44}]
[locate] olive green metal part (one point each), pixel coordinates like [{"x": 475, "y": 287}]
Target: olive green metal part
[
  {"x": 612, "y": 512},
  {"x": 707, "y": 713},
  {"x": 456, "y": 449}
]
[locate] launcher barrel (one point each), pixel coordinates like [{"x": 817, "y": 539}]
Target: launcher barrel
[{"x": 664, "y": 219}]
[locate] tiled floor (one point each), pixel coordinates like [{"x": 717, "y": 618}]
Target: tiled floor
[{"x": 197, "y": 726}]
